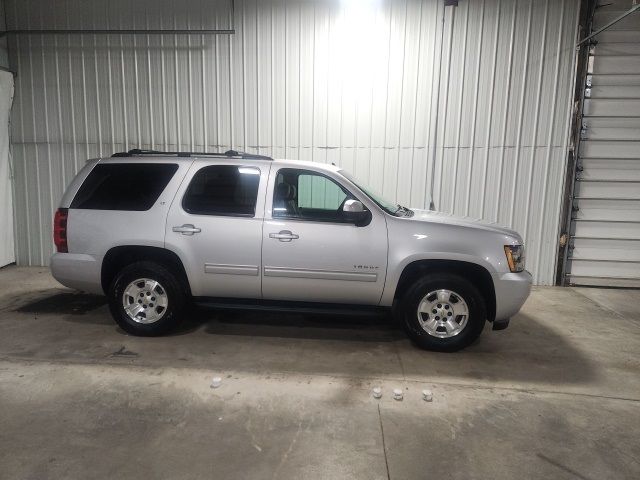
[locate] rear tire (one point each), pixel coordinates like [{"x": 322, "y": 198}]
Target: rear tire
[
  {"x": 146, "y": 299},
  {"x": 442, "y": 312}
]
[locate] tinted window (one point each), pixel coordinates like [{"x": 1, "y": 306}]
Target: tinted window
[
  {"x": 223, "y": 190},
  {"x": 308, "y": 195},
  {"x": 124, "y": 186}
]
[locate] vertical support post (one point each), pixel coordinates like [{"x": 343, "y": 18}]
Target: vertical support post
[{"x": 434, "y": 123}]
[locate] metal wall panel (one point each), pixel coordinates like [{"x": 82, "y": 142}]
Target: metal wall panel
[
  {"x": 605, "y": 231},
  {"x": 7, "y": 220},
  {"x": 472, "y": 112}
]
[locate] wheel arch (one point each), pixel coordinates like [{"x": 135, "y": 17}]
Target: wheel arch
[
  {"x": 118, "y": 257},
  {"x": 477, "y": 274}
]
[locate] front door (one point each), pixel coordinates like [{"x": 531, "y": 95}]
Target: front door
[
  {"x": 215, "y": 226},
  {"x": 310, "y": 252}
]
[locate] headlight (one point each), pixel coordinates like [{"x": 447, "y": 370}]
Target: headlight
[{"x": 515, "y": 257}]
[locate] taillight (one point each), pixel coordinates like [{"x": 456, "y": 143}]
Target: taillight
[{"x": 60, "y": 230}]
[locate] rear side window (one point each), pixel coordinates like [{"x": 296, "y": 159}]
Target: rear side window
[
  {"x": 227, "y": 190},
  {"x": 124, "y": 186}
]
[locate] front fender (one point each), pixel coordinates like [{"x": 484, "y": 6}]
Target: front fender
[{"x": 411, "y": 241}]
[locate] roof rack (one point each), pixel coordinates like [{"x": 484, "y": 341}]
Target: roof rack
[{"x": 228, "y": 154}]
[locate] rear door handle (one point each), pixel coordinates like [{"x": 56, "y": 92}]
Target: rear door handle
[
  {"x": 284, "y": 236},
  {"x": 186, "y": 229}
]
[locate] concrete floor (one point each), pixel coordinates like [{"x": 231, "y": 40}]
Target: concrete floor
[{"x": 556, "y": 395}]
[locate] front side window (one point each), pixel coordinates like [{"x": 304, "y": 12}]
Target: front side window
[
  {"x": 124, "y": 186},
  {"x": 308, "y": 195},
  {"x": 226, "y": 190}
]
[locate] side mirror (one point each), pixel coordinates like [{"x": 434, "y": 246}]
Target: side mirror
[{"x": 355, "y": 212}]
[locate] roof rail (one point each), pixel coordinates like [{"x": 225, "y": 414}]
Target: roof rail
[{"x": 228, "y": 154}]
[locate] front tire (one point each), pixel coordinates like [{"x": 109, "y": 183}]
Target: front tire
[
  {"x": 443, "y": 312},
  {"x": 146, "y": 299}
]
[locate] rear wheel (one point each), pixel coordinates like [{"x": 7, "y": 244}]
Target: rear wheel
[
  {"x": 443, "y": 312},
  {"x": 146, "y": 299}
]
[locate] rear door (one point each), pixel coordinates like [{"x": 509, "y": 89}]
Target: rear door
[
  {"x": 215, "y": 226},
  {"x": 309, "y": 252}
]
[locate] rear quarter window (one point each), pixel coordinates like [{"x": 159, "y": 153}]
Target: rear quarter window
[{"x": 124, "y": 186}]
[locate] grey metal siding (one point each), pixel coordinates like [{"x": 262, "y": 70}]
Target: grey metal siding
[{"x": 480, "y": 124}]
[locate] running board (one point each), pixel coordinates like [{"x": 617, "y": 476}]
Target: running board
[{"x": 295, "y": 307}]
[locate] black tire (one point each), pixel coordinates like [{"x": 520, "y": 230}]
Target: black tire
[
  {"x": 170, "y": 317},
  {"x": 408, "y": 312}
]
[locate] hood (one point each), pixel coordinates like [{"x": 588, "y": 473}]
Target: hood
[{"x": 449, "y": 219}]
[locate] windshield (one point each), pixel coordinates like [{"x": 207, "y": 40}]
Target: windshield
[{"x": 386, "y": 205}]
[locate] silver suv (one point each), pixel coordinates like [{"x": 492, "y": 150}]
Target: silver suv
[{"x": 157, "y": 230}]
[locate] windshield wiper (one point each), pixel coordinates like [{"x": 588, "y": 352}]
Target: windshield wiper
[{"x": 404, "y": 210}]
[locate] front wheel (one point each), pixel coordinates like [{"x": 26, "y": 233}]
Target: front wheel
[
  {"x": 443, "y": 312},
  {"x": 146, "y": 299}
]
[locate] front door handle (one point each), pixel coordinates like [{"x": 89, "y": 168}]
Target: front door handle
[
  {"x": 186, "y": 229},
  {"x": 284, "y": 236}
]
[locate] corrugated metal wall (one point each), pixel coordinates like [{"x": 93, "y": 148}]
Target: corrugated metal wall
[{"x": 472, "y": 111}]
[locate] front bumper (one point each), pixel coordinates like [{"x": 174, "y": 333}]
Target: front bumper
[{"x": 512, "y": 290}]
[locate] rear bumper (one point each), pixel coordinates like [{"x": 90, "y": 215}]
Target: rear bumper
[
  {"x": 512, "y": 290},
  {"x": 79, "y": 271}
]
